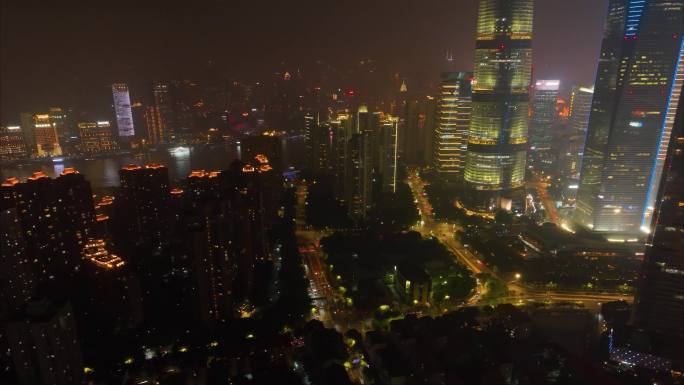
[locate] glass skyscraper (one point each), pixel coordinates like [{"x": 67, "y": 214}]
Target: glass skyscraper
[
  {"x": 659, "y": 300},
  {"x": 122, "y": 108},
  {"x": 497, "y": 138},
  {"x": 453, "y": 117},
  {"x": 637, "y": 90},
  {"x": 541, "y": 124},
  {"x": 543, "y": 114}
]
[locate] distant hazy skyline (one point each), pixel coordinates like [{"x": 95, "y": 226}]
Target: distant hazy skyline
[{"x": 59, "y": 54}]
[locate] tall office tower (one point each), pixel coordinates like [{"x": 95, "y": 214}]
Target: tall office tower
[
  {"x": 417, "y": 130},
  {"x": 637, "y": 90},
  {"x": 389, "y": 146},
  {"x": 139, "y": 121},
  {"x": 96, "y": 137},
  {"x": 309, "y": 121},
  {"x": 60, "y": 120},
  {"x": 16, "y": 275},
  {"x": 497, "y": 137},
  {"x": 541, "y": 124},
  {"x": 572, "y": 147},
  {"x": 453, "y": 118},
  {"x": 580, "y": 107},
  {"x": 409, "y": 132},
  {"x": 156, "y": 131},
  {"x": 162, "y": 114},
  {"x": 12, "y": 145},
  {"x": 341, "y": 129},
  {"x": 427, "y": 123},
  {"x": 41, "y": 134},
  {"x": 320, "y": 145},
  {"x": 144, "y": 196},
  {"x": 358, "y": 184},
  {"x": 43, "y": 343},
  {"x": 360, "y": 141},
  {"x": 122, "y": 109},
  {"x": 543, "y": 114},
  {"x": 659, "y": 305}
]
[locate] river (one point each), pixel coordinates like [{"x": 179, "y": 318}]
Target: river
[{"x": 103, "y": 173}]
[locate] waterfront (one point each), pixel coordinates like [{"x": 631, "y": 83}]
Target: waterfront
[{"x": 103, "y": 173}]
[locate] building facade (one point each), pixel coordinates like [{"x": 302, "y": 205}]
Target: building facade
[
  {"x": 497, "y": 137},
  {"x": 453, "y": 117},
  {"x": 40, "y": 134},
  {"x": 659, "y": 304},
  {"x": 122, "y": 109},
  {"x": 96, "y": 137},
  {"x": 542, "y": 120},
  {"x": 638, "y": 87},
  {"x": 12, "y": 145}
]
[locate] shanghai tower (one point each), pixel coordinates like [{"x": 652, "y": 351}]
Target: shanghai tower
[{"x": 497, "y": 140}]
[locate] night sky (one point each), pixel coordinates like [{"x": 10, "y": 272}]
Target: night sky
[{"x": 63, "y": 53}]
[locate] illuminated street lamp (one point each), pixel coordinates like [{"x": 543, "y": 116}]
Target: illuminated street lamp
[{"x": 517, "y": 275}]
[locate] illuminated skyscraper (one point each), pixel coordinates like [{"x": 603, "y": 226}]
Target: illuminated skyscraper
[
  {"x": 638, "y": 86},
  {"x": 160, "y": 122},
  {"x": 580, "y": 107},
  {"x": 12, "y": 144},
  {"x": 453, "y": 118},
  {"x": 359, "y": 163},
  {"x": 572, "y": 148},
  {"x": 541, "y": 124},
  {"x": 659, "y": 303},
  {"x": 497, "y": 137},
  {"x": 341, "y": 128},
  {"x": 543, "y": 114},
  {"x": 388, "y": 144},
  {"x": 41, "y": 134},
  {"x": 96, "y": 137},
  {"x": 122, "y": 108}
]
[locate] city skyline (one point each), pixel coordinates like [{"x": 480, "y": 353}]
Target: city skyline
[
  {"x": 342, "y": 194},
  {"x": 130, "y": 55}
]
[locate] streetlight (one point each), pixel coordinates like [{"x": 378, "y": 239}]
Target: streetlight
[{"x": 517, "y": 275}]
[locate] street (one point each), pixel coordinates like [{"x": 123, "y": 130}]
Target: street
[{"x": 444, "y": 232}]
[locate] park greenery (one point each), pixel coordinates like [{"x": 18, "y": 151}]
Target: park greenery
[{"x": 364, "y": 264}]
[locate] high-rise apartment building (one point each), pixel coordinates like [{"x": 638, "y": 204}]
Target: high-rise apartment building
[
  {"x": 497, "y": 137},
  {"x": 122, "y": 109},
  {"x": 144, "y": 196},
  {"x": 56, "y": 217},
  {"x": 16, "y": 265},
  {"x": 637, "y": 90},
  {"x": 43, "y": 343},
  {"x": 453, "y": 117}
]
